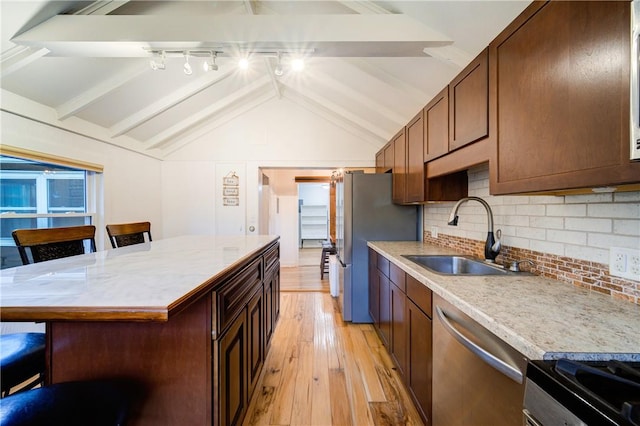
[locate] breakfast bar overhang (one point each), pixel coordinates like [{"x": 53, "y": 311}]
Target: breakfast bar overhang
[{"x": 189, "y": 319}]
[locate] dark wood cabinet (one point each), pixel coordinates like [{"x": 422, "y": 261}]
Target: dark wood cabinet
[
  {"x": 469, "y": 103},
  {"x": 419, "y": 346},
  {"x": 271, "y": 301},
  {"x": 388, "y": 157},
  {"x": 414, "y": 182},
  {"x": 255, "y": 338},
  {"x": 384, "y": 324},
  {"x": 398, "y": 328},
  {"x": 404, "y": 326},
  {"x": 230, "y": 358},
  {"x": 380, "y": 161},
  {"x": 436, "y": 126},
  {"x": 560, "y": 98},
  {"x": 399, "y": 189},
  {"x": 374, "y": 288}
]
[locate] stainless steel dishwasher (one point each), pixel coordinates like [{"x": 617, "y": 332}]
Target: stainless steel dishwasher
[{"x": 477, "y": 378}]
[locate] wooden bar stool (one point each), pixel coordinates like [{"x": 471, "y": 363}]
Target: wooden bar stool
[
  {"x": 126, "y": 234},
  {"x": 328, "y": 248}
]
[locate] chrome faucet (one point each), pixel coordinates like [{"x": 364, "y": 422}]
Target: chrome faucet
[{"x": 491, "y": 247}]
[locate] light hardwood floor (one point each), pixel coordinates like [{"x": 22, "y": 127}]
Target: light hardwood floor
[
  {"x": 306, "y": 277},
  {"x": 322, "y": 371}
]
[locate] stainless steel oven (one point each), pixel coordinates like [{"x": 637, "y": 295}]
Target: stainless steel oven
[
  {"x": 575, "y": 393},
  {"x": 635, "y": 81}
]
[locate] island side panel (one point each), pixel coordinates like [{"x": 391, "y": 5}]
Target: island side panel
[{"x": 172, "y": 360}]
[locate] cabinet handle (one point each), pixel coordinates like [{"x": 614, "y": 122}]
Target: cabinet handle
[{"x": 495, "y": 362}]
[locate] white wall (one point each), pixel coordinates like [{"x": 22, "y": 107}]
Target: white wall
[
  {"x": 578, "y": 226},
  {"x": 131, "y": 182},
  {"x": 276, "y": 134}
]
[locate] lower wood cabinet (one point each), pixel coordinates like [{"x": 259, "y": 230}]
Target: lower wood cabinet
[
  {"x": 400, "y": 307},
  {"x": 230, "y": 368},
  {"x": 241, "y": 346}
]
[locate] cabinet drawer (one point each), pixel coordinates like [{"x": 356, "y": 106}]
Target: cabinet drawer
[
  {"x": 398, "y": 277},
  {"x": 233, "y": 295},
  {"x": 419, "y": 294},
  {"x": 383, "y": 265},
  {"x": 271, "y": 256}
]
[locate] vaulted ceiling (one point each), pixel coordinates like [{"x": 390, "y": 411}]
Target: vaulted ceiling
[{"x": 369, "y": 65}]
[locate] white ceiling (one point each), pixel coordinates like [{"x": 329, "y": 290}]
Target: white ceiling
[{"x": 84, "y": 66}]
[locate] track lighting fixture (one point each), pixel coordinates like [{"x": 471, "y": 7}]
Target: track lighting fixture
[
  {"x": 279, "y": 71},
  {"x": 210, "y": 55},
  {"x": 211, "y": 66},
  {"x": 187, "y": 67}
]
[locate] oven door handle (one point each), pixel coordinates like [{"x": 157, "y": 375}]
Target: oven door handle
[{"x": 495, "y": 362}]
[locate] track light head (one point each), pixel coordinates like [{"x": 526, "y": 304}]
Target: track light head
[
  {"x": 155, "y": 65},
  {"x": 243, "y": 63},
  {"x": 297, "y": 64},
  {"x": 211, "y": 66},
  {"x": 187, "y": 67},
  {"x": 279, "y": 71}
]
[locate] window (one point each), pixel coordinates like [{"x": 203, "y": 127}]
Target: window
[{"x": 34, "y": 194}]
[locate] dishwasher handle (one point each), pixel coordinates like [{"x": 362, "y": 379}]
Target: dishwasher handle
[{"x": 503, "y": 367}]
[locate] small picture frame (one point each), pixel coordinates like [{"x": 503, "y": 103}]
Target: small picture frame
[{"x": 230, "y": 201}]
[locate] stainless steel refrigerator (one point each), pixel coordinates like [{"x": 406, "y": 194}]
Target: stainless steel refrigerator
[{"x": 364, "y": 212}]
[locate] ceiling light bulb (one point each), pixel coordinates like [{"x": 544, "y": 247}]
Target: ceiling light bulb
[
  {"x": 212, "y": 66},
  {"x": 187, "y": 66},
  {"x": 297, "y": 64},
  {"x": 243, "y": 63}
]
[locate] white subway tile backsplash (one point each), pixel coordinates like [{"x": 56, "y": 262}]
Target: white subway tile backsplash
[
  {"x": 626, "y": 227},
  {"x": 615, "y": 210},
  {"x": 581, "y": 226},
  {"x": 569, "y": 237},
  {"x": 586, "y": 224},
  {"x": 530, "y": 210},
  {"x": 626, "y": 197},
  {"x": 547, "y": 247},
  {"x": 566, "y": 210},
  {"x": 547, "y": 222},
  {"x": 531, "y": 233},
  {"x": 611, "y": 240},
  {"x": 591, "y": 254}
]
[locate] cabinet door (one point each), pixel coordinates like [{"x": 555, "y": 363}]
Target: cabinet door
[
  {"x": 436, "y": 126},
  {"x": 385, "y": 310},
  {"x": 398, "y": 328},
  {"x": 388, "y": 157},
  {"x": 374, "y": 288},
  {"x": 399, "y": 168},
  {"x": 469, "y": 103},
  {"x": 419, "y": 356},
  {"x": 560, "y": 98},
  {"x": 415, "y": 161},
  {"x": 255, "y": 341},
  {"x": 271, "y": 301},
  {"x": 380, "y": 161},
  {"x": 232, "y": 378}
]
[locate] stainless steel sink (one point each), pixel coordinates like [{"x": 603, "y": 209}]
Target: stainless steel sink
[{"x": 456, "y": 265}]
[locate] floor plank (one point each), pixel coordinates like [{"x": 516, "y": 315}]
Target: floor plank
[{"x": 323, "y": 371}]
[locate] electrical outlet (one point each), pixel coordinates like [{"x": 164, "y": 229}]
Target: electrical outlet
[
  {"x": 624, "y": 263},
  {"x": 434, "y": 231}
]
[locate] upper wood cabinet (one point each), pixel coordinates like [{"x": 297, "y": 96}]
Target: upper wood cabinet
[
  {"x": 436, "y": 126},
  {"x": 415, "y": 160},
  {"x": 380, "y": 161},
  {"x": 399, "y": 143},
  {"x": 560, "y": 98},
  {"x": 384, "y": 158},
  {"x": 469, "y": 103}
]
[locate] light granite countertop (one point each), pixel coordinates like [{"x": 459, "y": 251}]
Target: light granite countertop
[
  {"x": 539, "y": 317},
  {"x": 147, "y": 281}
]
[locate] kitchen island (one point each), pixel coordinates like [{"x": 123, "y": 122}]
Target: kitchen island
[{"x": 188, "y": 318}]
